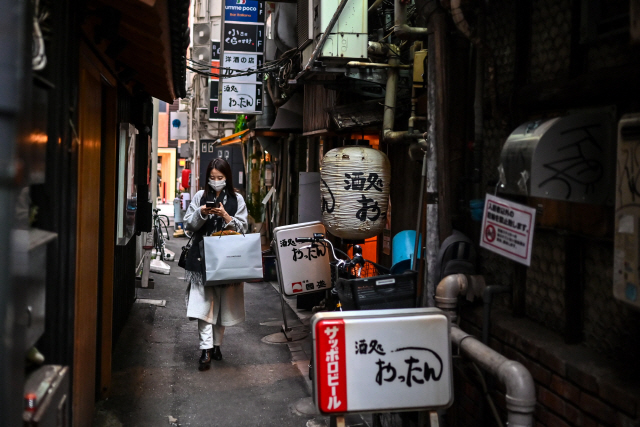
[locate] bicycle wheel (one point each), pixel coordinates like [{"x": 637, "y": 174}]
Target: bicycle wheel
[{"x": 156, "y": 239}]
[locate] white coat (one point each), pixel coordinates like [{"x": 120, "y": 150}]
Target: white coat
[{"x": 218, "y": 305}]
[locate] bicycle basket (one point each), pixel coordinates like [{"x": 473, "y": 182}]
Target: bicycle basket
[{"x": 378, "y": 292}]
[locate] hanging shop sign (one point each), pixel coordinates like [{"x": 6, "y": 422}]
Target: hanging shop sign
[
  {"x": 242, "y": 51},
  {"x": 302, "y": 267},
  {"x": 354, "y": 188},
  {"x": 214, "y": 87},
  {"x": 507, "y": 229},
  {"x": 382, "y": 360}
]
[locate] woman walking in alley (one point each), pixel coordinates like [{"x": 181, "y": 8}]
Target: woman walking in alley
[{"x": 215, "y": 307}]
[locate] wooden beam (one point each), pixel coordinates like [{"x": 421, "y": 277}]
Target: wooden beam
[{"x": 108, "y": 209}]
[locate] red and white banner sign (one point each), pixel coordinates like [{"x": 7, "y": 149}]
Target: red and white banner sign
[
  {"x": 382, "y": 360},
  {"x": 507, "y": 229},
  {"x": 332, "y": 369}
]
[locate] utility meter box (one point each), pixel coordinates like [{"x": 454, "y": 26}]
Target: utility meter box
[
  {"x": 569, "y": 158},
  {"x": 626, "y": 264},
  {"x": 348, "y": 39}
]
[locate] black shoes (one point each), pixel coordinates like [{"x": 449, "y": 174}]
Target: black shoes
[
  {"x": 205, "y": 360},
  {"x": 215, "y": 354}
]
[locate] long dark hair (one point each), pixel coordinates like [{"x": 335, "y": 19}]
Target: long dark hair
[{"x": 223, "y": 166}]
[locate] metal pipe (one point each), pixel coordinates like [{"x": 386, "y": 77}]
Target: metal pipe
[
  {"x": 414, "y": 257},
  {"x": 377, "y": 48},
  {"x": 487, "y": 299},
  {"x": 388, "y": 118},
  {"x": 401, "y": 29},
  {"x": 520, "y": 393},
  {"x": 287, "y": 174},
  {"x": 374, "y": 5},
  {"x": 325, "y": 35},
  {"x": 448, "y": 290},
  {"x": 374, "y": 65}
]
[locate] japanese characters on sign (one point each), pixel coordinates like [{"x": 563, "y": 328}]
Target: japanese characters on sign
[
  {"x": 303, "y": 267},
  {"x": 354, "y": 189},
  {"x": 214, "y": 85},
  {"x": 507, "y": 229},
  {"x": 332, "y": 367},
  {"x": 382, "y": 360},
  {"x": 242, "y": 51}
]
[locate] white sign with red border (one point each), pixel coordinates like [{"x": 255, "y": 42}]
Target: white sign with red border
[
  {"x": 382, "y": 360},
  {"x": 507, "y": 229}
]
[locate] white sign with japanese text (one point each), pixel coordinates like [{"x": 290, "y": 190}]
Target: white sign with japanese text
[
  {"x": 242, "y": 62},
  {"x": 302, "y": 267},
  {"x": 242, "y": 50},
  {"x": 507, "y": 229},
  {"x": 382, "y": 360},
  {"x": 240, "y": 97}
]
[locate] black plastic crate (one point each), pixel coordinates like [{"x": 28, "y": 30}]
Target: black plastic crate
[{"x": 378, "y": 292}]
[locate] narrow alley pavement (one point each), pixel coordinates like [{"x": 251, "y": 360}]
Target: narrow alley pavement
[{"x": 155, "y": 377}]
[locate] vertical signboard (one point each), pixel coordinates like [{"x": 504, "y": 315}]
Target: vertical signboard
[
  {"x": 214, "y": 87},
  {"x": 242, "y": 52}
]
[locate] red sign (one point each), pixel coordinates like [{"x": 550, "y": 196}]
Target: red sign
[
  {"x": 296, "y": 287},
  {"x": 332, "y": 366}
]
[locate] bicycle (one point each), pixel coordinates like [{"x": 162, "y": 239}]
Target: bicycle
[
  {"x": 342, "y": 297},
  {"x": 160, "y": 221}
]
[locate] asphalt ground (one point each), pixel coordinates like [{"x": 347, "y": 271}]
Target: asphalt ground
[{"x": 155, "y": 377}]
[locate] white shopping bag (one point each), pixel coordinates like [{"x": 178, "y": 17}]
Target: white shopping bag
[{"x": 232, "y": 258}]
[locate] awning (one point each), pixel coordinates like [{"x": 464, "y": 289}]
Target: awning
[
  {"x": 144, "y": 42},
  {"x": 235, "y": 138}
]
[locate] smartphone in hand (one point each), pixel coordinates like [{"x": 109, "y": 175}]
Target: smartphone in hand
[{"x": 211, "y": 205}]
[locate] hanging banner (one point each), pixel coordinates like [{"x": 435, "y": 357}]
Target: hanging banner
[
  {"x": 242, "y": 51},
  {"x": 214, "y": 87},
  {"x": 507, "y": 229}
]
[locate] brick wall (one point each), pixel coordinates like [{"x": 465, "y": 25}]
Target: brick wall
[{"x": 575, "y": 386}]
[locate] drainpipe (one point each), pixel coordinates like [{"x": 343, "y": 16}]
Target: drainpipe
[
  {"x": 448, "y": 291},
  {"x": 401, "y": 29},
  {"x": 520, "y": 393},
  {"x": 388, "y": 134}
]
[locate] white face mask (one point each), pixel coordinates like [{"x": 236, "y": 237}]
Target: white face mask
[{"x": 218, "y": 185}]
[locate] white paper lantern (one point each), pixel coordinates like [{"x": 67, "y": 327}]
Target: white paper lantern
[{"x": 355, "y": 191}]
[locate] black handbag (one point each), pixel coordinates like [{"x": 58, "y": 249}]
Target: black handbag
[{"x": 182, "y": 262}]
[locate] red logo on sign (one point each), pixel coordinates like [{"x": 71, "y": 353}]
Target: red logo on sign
[
  {"x": 332, "y": 366},
  {"x": 490, "y": 232},
  {"x": 296, "y": 287}
]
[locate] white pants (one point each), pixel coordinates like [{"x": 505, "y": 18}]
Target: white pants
[{"x": 210, "y": 335}]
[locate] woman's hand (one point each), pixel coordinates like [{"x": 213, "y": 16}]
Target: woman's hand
[
  {"x": 206, "y": 211},
  {"x": 221, "y": 213}
]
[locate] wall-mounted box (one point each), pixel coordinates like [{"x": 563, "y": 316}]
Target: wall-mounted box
[{"x": 569, "y": 158}]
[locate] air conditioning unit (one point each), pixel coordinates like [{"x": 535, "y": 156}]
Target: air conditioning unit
[
  {"x": 201, "y": 34},
  {"x": 626, "y": 252},
  {"x": 202, "y": 55},
  {"x": 349, "y": 37}
]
